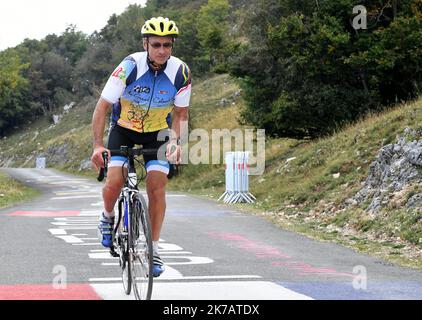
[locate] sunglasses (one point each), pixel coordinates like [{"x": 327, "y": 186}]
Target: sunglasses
[{"x": 157, "y": 45}]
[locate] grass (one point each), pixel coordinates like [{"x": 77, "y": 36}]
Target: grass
[
  {"x": 12, "y": 192},
  {"x": 305, "y": 183}
]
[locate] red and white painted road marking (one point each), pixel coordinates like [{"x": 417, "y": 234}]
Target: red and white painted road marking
[
  {"x": 42, "y": 214},
  {"x": 48, "y": 292},
  {"x": 172, "y": 285}
]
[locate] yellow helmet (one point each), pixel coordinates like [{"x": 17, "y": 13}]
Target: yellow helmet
[{"x": 160, "y": 27}]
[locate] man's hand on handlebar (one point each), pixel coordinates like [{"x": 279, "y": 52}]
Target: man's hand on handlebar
[
  {"x": 97, "y": 157},
  {"x": 173, "y": 152}
]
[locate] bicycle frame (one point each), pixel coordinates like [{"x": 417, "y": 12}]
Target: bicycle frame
[
  {"x": 129, "y": 190},
  {"x": 136, "y": 262}
]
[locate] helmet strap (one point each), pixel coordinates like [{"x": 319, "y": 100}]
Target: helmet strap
[{"x": 151, "y": 62}]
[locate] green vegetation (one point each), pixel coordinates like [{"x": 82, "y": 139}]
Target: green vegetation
[
  {"x": 39, "y": 77},
  {"x": 304, "y": 69},
  {"x": 307, "y": 72},
  {"x": 329, "y": 97},
  {"x": 13, "y": 192}
]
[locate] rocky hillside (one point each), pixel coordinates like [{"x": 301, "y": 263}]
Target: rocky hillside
[
  {"x": 394, "y": 178},
  {"x": 63, "y": 139}
]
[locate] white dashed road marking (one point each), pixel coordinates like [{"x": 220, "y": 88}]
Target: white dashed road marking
[{"x": 172, "y": 284}]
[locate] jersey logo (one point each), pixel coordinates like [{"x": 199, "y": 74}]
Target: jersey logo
[
  {"x": 120, "y": 73},
  {"x": 140, "y": 89}
]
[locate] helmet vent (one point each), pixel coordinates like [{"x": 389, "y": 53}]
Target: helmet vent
[
  {"x": 162, "y": 27},
  {"x": 152, "y": 27}
]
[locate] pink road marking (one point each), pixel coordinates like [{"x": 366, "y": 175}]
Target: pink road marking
[
  {"x": 44, "y": 213},
  {"x": 48, "y": 292},
  {"x": 260, "y": 250},
  {"x": 308, "y": 269},
  {"x": 263, "y": 251}
]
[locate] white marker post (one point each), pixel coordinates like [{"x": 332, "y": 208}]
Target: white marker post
[
  {"x": 40, "y": 163},
  {"x": 237, "y": 178}
]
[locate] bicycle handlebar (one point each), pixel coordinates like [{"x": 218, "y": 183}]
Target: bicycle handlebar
[
  {"x": 125, "y": 152},
  {"x": 133, "y": 152}
]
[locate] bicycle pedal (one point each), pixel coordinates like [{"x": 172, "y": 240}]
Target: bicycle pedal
[{"x": 113, "y": 253}]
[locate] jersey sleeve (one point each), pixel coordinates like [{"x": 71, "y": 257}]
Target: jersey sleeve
[
  {"x": 118, "y": 80},
  {"x": 183, "y": 86}
]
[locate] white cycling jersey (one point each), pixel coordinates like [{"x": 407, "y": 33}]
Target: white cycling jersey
[{"x": 143, "y": 98}]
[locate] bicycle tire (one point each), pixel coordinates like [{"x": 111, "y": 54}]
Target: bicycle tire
[
  {"x": 124, "y": 253},
  {"x": 142, "y": 250}
]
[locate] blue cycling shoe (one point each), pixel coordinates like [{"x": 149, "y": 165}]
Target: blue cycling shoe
[
  {"x": 106, "y": 231},
  {"x": 158, "y": 266}
]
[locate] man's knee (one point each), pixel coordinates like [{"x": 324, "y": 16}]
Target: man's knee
[
  {"x": 111, "y": 188},
  {"x": 156, "y": 185},
  {"x": 114, "y": 182},
  {"x": 157, "y": 193}
]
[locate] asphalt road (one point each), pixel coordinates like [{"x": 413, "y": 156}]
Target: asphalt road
[{"x": 50, "y": 250}]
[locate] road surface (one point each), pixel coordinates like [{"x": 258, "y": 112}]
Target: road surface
[{"x": 50, "y": 250}]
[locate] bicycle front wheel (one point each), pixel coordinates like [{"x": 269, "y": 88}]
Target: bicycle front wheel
[
  {"x": 124, "y": 249},
  {"x": 141, "y": 245}
]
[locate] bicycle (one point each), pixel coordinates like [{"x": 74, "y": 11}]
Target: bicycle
[{"x": 132, "y": 240}]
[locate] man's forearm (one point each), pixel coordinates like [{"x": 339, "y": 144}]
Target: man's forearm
[
  {"x": 98, "y": 124},
  {"x": 98, "y": 132},
  {"x": 179, "y": 123}
]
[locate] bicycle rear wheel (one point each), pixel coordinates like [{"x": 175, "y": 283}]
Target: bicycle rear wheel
[{"x": 141, "y": 249}]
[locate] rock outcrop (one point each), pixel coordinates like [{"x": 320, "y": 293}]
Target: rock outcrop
[{"x": 396, "y": 170}]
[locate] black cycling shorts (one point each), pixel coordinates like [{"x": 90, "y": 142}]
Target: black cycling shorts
[{"x": 120, "y": 136}]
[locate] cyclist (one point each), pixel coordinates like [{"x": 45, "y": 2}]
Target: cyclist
[{"x": 148, "y": 94}]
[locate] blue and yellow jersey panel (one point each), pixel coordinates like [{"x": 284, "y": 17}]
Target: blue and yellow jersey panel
[{"x": 142, "y": 98}]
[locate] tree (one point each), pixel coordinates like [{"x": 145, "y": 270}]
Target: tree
[
  {"x": 212, "y": 32},
  {"x": 306, "y": 71},
  {"x": 93, "y": 68},
  {"x": 13, "y": 89},
  {"x": 72, "y": 44}
]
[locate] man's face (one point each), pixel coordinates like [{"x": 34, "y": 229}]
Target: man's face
[{"x": 159, "y": 48}]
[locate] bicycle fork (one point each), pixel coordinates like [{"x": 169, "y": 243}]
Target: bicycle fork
[{"x": 118, "y": 234}]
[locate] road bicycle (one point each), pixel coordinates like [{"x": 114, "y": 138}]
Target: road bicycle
[{"x": 132, "y": 240}]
